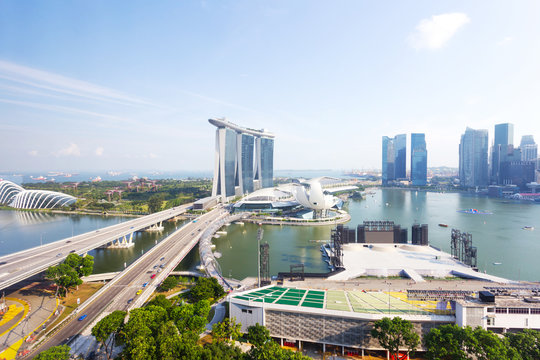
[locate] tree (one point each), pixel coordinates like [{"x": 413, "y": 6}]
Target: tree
[
  {"x": 205, "y": 289},
  {"x": 227, "y": 330},
  {"x": 449, "y": 342},
  {"x": 169, "y": 283},
  {"x": 526, "y": 342},
  {"x": 155, "y": 203},
  {"x": 394, "y": 334},
  {"x": 258, "y": 334},
  {"x": 272, "y": 351},
  {"x": 68, "y": 274},
  {"x": 161, "y": 301},
  {"x": 221, "y": 351},
  {"x": 55, "y": 353},
  {"x": 490, "y": 347},
  {"x": 109, "y": 326}
]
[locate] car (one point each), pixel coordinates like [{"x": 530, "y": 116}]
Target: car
[
  {"x": 192, "y": 234},
  {"x": 72, "y": 251},
  {"x": 144, "y": 285},
  {"x": 195, "y": 220},
  {"x": 139, "y": 292},
  {"x": 163, "y": 258},
  {"x": 158, "y": 270},
  {"x": 130, "y": 300},
  {"x": 67, "y": 242},
  {"x": 155, "y": 266},
  {"x": 199, "y": 230},
  {"x": 153, "y": 276},
  {"x": 59, "y": 254},
  {"x": 161, "y": 266},
  {"x": 132, "y": 227},
  {"x": 81, "y": 318}
]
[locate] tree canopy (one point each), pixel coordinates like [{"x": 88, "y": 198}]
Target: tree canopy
[
  {"x": 526, "y": 342},
  {"x": 395, "y": 334},
  {"x": 55, "y": 353},
  {"x": 68, "y": 274},
  {"x": 206, "y": 289},
  {"x": 109, "y": 326}
]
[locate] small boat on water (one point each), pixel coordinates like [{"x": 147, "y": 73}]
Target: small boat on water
[
  {"x": 528, "y": 228},
  {"x": 497, "y": 263},
  {"x": 443, "y": 225}
]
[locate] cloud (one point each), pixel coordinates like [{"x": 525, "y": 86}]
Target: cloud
[
  {"x": 505, "y": 41},
  {"x": 71, "y": 150},
  {"x": 99, "y": 151},
  {"x": 433, "y": 33},
  {"x": 33, "y": 153},
  {"x": 43, "y": 80}
]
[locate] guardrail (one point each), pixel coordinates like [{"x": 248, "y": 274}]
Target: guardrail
[{"x": 37, "y": 269}]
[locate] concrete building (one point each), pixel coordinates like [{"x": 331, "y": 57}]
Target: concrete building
[
  {"x": 244, "y": 159},
  {"x": 394, "y": 158},
  {"x": 418, "y": 160},
  {"x": 473, "y": 158}
]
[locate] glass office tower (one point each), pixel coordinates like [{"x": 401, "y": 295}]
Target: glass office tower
[
  {"x": 473, "y": 158},
  {"x": 394, "y": 158},
  {"x": 502, "y": 147},
  {"x": 400, "y": 166},
  {"x": 418, "y": 160},
  {"x": 267, "y": 162}
]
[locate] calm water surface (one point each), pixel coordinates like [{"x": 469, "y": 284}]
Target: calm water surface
[{"x": 499, "y": 237}]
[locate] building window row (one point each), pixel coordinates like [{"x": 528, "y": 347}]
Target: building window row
[{"x": 513, "y": 310}]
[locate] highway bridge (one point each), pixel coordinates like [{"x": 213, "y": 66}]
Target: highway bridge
[
  {"x": 24, "y": 264},
  {"x": 121, "y": 293}
]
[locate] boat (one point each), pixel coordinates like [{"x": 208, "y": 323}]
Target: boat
[
  {"x": 443, "y": 225},
  {"x": 531, "y": 228},
  {"x": 497, "y": 263}
]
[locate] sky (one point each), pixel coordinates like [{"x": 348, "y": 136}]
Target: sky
[{"x": 118, "y": 85}]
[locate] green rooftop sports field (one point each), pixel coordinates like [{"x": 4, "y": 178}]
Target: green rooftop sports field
[{"x": 359, "y": 301}]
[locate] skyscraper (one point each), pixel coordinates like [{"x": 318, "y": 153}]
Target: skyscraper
[
  {"x": 418, "y": 160},
  {"x": 400, "y": 143},
  {"x": 244, "y": 159},
  {"x": 502, "y": 146},
  {"x": 473, "y": 158},
  {"x": 529, "y": 149},
  {"x": 394, "y": 158}
]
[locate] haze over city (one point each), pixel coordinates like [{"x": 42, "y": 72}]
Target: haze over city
[{"x": 107, "y": 86}]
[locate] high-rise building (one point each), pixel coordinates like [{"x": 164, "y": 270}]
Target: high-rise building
[
  {"x": 394, "y": 158},
  {"x": 244, "y": 159},
  {"x": 400, "y": 143},
  {"x": 502, "y": 147},
  {"x": 473, "y": 158},
  {"x": 418, "y": 160},
  {"x": 529, "y": 149}
]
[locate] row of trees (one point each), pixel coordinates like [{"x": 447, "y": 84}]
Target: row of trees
[{"x": 451, "y": 342}]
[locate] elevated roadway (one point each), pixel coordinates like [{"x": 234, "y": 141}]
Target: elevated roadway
[
  {"x": 121, "y": 292},
  {"x": 24, "y": 264}
]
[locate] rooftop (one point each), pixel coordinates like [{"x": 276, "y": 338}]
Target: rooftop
[{"x": 353, "y": 301}]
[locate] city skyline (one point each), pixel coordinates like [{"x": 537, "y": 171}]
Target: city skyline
[{"x": 132, "y": 90}]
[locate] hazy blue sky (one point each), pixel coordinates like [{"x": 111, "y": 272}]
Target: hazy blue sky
[{"x": 90, "y": 85}]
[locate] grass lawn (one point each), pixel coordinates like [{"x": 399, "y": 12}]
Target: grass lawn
[{"x": 70, "y": 301}]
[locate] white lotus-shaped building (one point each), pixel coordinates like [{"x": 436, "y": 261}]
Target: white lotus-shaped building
[
  {"x": 311, "y": 194},
  {"x": 17, "y": 197}
]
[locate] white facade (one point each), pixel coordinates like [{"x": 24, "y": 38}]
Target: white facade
[
  {"x": 15, "y": 196},
  {"x": 506, "y": 314}
]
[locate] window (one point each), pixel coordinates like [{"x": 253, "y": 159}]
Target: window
[
  {"x": 535, "y": 311},
  {"x": 490, "y": 321},
  {"x": 500, "y": 310},
  {"x": 518, "y": 310},
  {"x": 491, "y": 310}
]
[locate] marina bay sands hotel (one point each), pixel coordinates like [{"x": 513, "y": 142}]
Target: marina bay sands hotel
[{"x": 244, "y": 159}]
